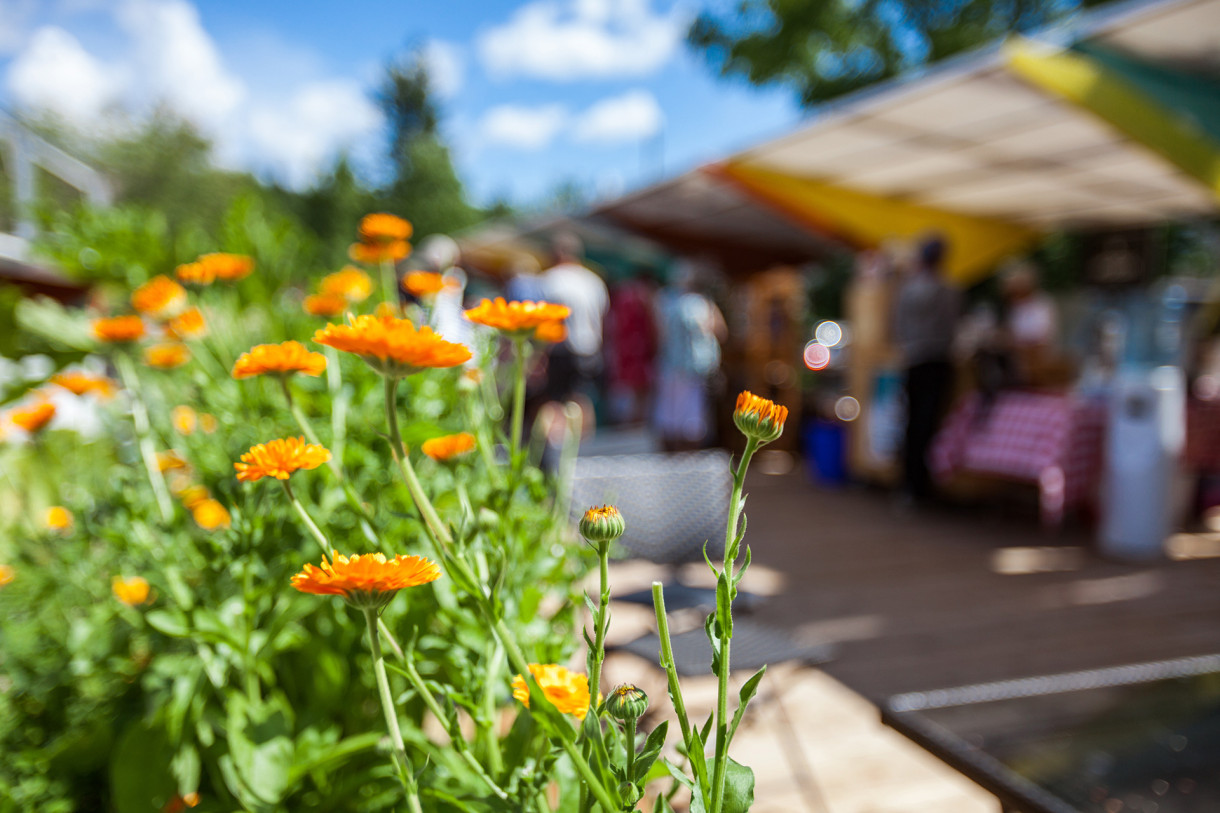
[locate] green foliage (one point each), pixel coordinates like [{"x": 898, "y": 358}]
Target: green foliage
[{"x": 826, "y": 48}]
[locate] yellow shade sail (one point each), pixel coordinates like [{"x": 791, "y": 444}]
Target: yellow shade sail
[{"x": 975, "y": 244}]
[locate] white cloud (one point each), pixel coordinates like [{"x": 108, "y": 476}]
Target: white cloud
[
  {"x": 632, "y": 116},
  {"x": 579, "y": 39},
  {"x": 446, "y": 67},
  {"x": 319, "y": 118},
  {"x": 526, "y": 128},
  {"x": 176, "y": 62},
  {"x": 55, "y": 73},
  {"x": 169, "y": 58}
]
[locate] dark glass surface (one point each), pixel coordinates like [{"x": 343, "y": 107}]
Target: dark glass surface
[{"x": 1148, "y": 747}]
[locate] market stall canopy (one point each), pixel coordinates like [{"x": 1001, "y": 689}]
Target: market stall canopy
[
  {"x": 1111, "y": 122},
  {"x": 699, "y": 213}
]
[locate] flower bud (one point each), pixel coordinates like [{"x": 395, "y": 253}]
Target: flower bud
[
  {"x": 627, "y": 702},
  {"x": 601, "y": 525},
  {"x": 630, "y": 792},
  {"x": 758, "y": 418}
]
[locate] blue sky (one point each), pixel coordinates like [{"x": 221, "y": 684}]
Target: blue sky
[{"x": 535, "y": 92}]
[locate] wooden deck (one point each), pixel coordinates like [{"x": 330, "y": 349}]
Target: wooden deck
[{"x": 916, "y": 601}]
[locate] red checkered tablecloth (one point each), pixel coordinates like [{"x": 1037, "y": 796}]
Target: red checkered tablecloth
[{"x": 1053, "y": 441}]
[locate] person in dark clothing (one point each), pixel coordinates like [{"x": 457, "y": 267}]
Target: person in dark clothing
[{"x": 925, "y": 322}]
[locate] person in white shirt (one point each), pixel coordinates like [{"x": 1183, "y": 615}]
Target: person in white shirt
[{"x": 576, "y": 363}]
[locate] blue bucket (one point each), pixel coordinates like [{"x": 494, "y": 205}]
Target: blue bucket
[{"x": 825, "y": 445}]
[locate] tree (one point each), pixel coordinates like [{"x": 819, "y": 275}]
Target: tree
[
  {"x": 825, "y": 48},
  {"x": 425, "y": 188}
]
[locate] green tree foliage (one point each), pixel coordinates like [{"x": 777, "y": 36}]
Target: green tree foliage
[
  {"x": 825, "y": 48},
  {"x": 425, "y": 188}
]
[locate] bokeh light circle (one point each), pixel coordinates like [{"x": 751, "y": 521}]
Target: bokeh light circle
[
  {"x": 847, "y": 408},
  {"x": 828, "y": 333},
  {"x": 817, "y": 356}
]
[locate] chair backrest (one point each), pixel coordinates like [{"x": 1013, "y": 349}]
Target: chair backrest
[{"x": 673, "y": 503}]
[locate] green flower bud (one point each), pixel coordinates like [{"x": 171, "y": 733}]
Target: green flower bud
[
  {"x": 600, "y": 525},
  {"x": 627, "y": 702},
  {"x": 630, "y": 792}
]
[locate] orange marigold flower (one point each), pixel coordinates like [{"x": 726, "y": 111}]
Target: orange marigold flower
[
  {"x": 210, "y": 515},
  {"x": 285, "y": 358},
  {"x": 187, "y": 325},
  {"x": 324, "y": 305},
  {"x": 516, "y": 317},
  {"x": 169, "y": 460},
  {"x": 229, "y": 267},
  {"x": 384, "y": 228},
  {"x": 119, "y": 329},
  {"x": 184, "y": 418},
  {"x": 568, "y": 691},
  {"x": 551, "y": 332},
  {"x": 167, "y": 356},
  {"x": 447, "y": 447},
  {"x": 35, "y": 417},
  {"x": 280, "y": 458},
  {"x": 80, "y": 383},
  {"x": 350, "y": 283},
  {"x": 7, "y": 574},
  {"x": 160, "y": 297},
  {"x": 393, "y": 347},
  {"x": 58, "y": 518},
  {"x": 179, "y": 803},
  {"x": 423, "y": 283},
  {"x": 192, "y": 495},
  {"x": 132, "y": 592},
  {"x": 373, "y": 253},
  {"x": 366, "y": 581},
  {"x": 195, "y": 273},
  {"x": 758, "y": 418}
]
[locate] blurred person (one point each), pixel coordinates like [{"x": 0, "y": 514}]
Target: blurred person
[
  {"x": 440, "y": 254},
  {"x": 524, "y": 284},
  {"x": 926, "y": 312},
  {"x": 1031, "y": 324},
  {"x": 631, "y": 347},
  {"x": 691, "y": 330},
  {"x": 575, "y": 363}
]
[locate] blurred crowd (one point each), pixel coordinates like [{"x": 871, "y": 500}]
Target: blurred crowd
[{"x": 635, "y": 352}]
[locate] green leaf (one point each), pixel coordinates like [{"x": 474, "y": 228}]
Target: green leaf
[
  {"x": 748, "y": 690},
  {"x": 724, "y": 605},
  {"x": 260, "y": 742},
  {"x": 140, "y": 777},
  {"x": 169, "y": 622},
  {"x": 738, "y": 789},
  {"x": 652, "y": 749}
]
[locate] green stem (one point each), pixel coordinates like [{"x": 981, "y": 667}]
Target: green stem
[
  {"x": 314, "y": 530},
  {"x": 721, "y": 764},
  {"x": 338, "y": 401},
  {"x": 139, "y": 417},
  {"x": 391, "y": 716},
  {"x": 389, "y": 284},
  {"x": 630, "y": 744},
  {"x": 697, "y": 757},
  {"x": 484, "y": 442},
  {"x": 490, "y": 712},
  {"x": 247, "y": 588},
  {"x": 455, "y": 735},
  {"x": 440, "y": 534},
  {"x": 353, "y": 499},
  {"x": 518, "y": 419},
  {"x": 595, "y": 787},
  {"x": 599, "y": 623}
]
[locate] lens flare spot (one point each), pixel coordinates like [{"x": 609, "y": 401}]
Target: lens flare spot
[
  {"x": 828, "y": 333},
  {"x": 817, "y": 356},
  {"x": 847, "y": 408}
]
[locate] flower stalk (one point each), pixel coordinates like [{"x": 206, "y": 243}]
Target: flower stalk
[
  {"x": 399, "y": 750},
  {"x": 139, "y": 417}
]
